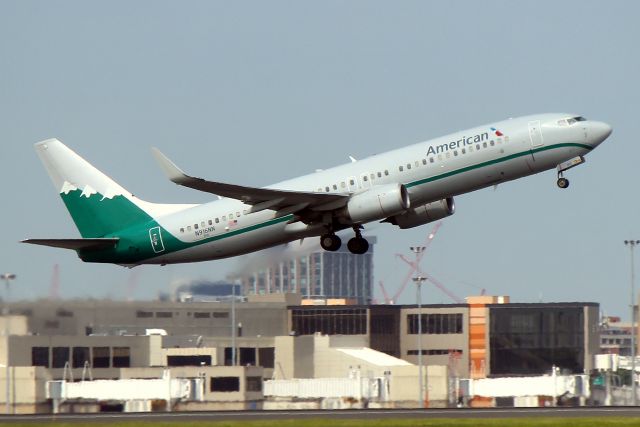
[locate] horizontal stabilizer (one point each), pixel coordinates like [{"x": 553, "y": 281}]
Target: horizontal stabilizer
[{"x": 76, "y": 244}]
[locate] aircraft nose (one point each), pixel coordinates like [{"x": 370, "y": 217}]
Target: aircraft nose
[{"x": 598, "y": 132}]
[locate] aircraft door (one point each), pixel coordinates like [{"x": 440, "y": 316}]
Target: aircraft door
[{"x": 535, "y": 134}]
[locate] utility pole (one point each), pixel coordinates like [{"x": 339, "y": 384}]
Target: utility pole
[
  {"x": 7, "y": 277},
  {"x": 634, "y": 398},
  {"x": 418, "y": 279}
]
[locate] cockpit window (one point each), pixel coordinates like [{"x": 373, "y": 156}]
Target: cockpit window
[{"x": 571, "y": 120}]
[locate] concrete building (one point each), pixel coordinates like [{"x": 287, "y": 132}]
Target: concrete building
[{"x": 314, "y": 273}]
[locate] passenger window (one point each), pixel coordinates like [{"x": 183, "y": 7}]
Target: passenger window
[
  {"x": 189, "y": 228},
  {"x": 319, "y": 190},
  {"x": 440, "y": 157},
  {"x": 379, "y": 174},
  {"x": 202, "y": 224},
  {"x": 478, "y": 147},
  {"x": 326, "y": 189},
  {"x": 424, "y": 161},
  {"x": 352, "y": 182},
  {"x": 386, "y": 173},
  {"x": 231, "y": 215},
  {"x": 224, "y": 217},
  {"x": 343, "y": 185},
  {"x": 373, "y": 175},
  {"x": 195, "y": 226},
  {"x": 335, "y": 187},
  {"x": 464, "y": 151},
  {"x": 237, "y": 214},
  {"x": 484, "y": 145},
  {"x": 471, "y": 148},
  {"x": 492, "y": 143},
  {"x": 217, "y": 220},
  {"x": 182, "y": 229},
  {"x": 364, "y": 178},
  {"x": 210, "y": 222},
  {"x": 455, "y": 152},
  {"x": 431, "y": 160},
  {"x": 408, "y": 165},
  {"x": 400, "y": 168}
]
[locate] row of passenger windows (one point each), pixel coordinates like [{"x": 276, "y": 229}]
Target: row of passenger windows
[
  {"x": 232, "y": 217},
  {"x": 366, "y": 178}
]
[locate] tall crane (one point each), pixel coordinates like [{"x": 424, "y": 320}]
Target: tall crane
[{"x": 413, "y": 268}]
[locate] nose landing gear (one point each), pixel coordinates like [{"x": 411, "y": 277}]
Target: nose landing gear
[{"x": 562, "y": 167}]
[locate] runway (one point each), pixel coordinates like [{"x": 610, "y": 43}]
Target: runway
[{"x": 332, "y": 414}]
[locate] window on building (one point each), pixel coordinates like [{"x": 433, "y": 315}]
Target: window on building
[
  {"x": 164, "y": 314},
  {"x": 202, "y": 315},
  {"x": 79, "y": 356},
  {"x": 40, "y": 356},
  {"x": 436, "y": 323},
  {"x": 220, "y": 314},
  {"x": 52, "y": 324},
  {"x": 266, "y": 357},
  {"x": 247, "y": 356},
  {"x": 61, "y": 312},
  {"x": 253, "y": 384},
  {"x": 343, "y": 321},
  {"x": 192, "y": 360},
  {"x": 59, "y": 356},
  {"x": 121, "y": 357},
  {"x": 101, "y": 357},
  {"x": 224, "y": 384},
  {"x": 144, "y": 314}
]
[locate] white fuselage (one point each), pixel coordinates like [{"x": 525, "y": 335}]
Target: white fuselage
[{"x": 443, "y": 167}]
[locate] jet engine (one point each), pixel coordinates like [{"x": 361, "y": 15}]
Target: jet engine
[
  {"x": 380, "y": 201},
  {"x": 424, "y": 214}
]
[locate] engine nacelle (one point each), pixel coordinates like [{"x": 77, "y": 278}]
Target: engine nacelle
[
  {"x": 378, "y": 202},
  {"x": 424, "y": 214}
]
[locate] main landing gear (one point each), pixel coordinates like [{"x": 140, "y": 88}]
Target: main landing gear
[{"x": 356, "y": 245}]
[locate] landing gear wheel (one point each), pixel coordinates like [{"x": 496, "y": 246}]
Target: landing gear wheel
[
  {"x": 358, "y": 245},
  {"x": 330, "y": 242},
  {"x": 563, "y": 182}
]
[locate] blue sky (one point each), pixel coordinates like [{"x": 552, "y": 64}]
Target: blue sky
[{"x": 257, "y": 92}]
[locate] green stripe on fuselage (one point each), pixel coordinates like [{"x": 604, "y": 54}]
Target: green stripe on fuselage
[{"x": 495, "y": 161}]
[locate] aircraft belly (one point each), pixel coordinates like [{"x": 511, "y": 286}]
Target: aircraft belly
[{"x": 232, "y": 246}]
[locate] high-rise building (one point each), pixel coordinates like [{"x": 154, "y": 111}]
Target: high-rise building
[{"x": 314, "y": 274}]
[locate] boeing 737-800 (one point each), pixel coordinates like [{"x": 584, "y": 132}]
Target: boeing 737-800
[{"x": 406, "y": 187}]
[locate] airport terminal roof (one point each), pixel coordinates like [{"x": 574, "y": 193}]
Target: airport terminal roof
[{"x": 373, "y": 357}]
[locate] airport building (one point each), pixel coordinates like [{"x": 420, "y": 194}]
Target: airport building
[{"x": 371, "y": 350}]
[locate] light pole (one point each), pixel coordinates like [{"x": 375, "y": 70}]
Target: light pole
[
  {"x": 418, "y": 279},
  {"x": 634, "y": 399},
  {"x": 7, "y": 277}
]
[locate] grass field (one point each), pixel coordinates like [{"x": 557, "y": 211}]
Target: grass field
[{"x": 421, "y": 422}]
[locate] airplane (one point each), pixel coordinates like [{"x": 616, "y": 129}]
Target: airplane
[{"x": 406, "y": 187}]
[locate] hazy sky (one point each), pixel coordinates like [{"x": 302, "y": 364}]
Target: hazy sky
[{"x": 257, "y": 92}]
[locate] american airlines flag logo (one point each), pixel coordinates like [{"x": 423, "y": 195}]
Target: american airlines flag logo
[{"x": 496, "y": 132}]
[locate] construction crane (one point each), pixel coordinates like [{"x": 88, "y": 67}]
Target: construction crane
[
  {"x": 433, "y": 280},
  {"x": 406, "y": 279}
]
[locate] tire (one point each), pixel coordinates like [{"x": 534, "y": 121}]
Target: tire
[
  {"x": 563, "y": 182},
  {"x": 358, "y": 246},
  {"x": 330, "y": 242}
]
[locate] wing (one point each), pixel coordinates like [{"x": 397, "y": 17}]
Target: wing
[
  {"x": 260, "y": 198},
  {"x": 76, "y": 244}
]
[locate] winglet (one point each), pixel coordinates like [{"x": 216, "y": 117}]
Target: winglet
[{"x": 173, "y": 172}]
